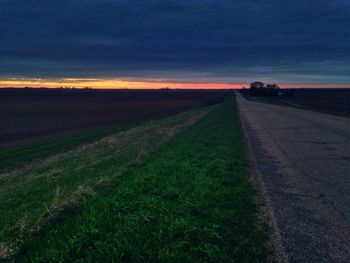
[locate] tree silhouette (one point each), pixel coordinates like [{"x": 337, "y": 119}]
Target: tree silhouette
[{"x": 258, "y": 88}]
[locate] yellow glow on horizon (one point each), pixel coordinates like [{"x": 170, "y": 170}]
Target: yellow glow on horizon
[
  {"x": 111, "y": 84},
  {"x": 128, "y": 84}
]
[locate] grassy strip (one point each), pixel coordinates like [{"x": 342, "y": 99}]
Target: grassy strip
[
  {"x": 189, "y": 202},
  {"x": 30, "y": 195},
  {"x": 18, "y": 156}
]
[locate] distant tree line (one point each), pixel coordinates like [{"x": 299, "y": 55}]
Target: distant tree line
[{"x": 258, "y": 88}]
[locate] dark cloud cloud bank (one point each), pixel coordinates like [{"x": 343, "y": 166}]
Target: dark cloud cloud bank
[{"x": 306, "y": 41}]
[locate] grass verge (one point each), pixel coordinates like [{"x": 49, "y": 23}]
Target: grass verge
[
  {"x": 188, "y": 201},
  {"x": 42, "y": 190}
]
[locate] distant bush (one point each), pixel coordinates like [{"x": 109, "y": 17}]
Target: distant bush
[{"x": 258, "y": 88}]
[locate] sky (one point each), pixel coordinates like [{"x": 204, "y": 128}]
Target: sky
[{"x": 174, "y": 43}]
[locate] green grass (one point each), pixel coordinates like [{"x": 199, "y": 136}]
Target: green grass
[
  {"x": 17, "y": 156},
  {"x": 31, "y": 194},
  {"x": 188, "y": 199}
]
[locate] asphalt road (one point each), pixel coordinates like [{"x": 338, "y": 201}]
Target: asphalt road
[{"x": 303, "y": 158}]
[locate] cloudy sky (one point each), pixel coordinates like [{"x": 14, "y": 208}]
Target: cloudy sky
[{"x": 214, "y": 42}]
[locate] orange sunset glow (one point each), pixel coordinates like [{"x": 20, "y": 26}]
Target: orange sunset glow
[
  {"x": 113, "y": 84},
  {"x": 127, "y": 84}
]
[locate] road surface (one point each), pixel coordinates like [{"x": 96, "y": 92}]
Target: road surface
[{"x": 303, "y": 158}]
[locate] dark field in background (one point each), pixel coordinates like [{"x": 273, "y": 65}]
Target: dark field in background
[
  {"x": 29, "y": 114},
  {"x": 337, "y": 100},
  {"x": 326, "y": 100}
]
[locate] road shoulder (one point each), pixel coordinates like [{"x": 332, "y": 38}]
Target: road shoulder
[{"x": 266, "y": 213}]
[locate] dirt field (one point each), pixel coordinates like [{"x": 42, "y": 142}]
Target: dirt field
[
  {"x": 29, "y": 114},
  {"x": 329, "y": 99}
]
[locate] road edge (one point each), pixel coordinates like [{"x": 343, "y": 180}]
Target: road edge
[{"x": 265, "y": 209}]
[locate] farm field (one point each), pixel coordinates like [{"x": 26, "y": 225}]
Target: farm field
[
  {"x": 174, "y": 189},
  {"x": 29, "y": 115},
  {"x": 333, "y": 101},
  {"x": 337, "y": 100}
]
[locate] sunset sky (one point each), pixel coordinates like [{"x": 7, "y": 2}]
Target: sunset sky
[{"x": 174, "y": 43}]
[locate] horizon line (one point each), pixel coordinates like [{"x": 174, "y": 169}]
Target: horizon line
[{"x": 83, "y": 83}]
